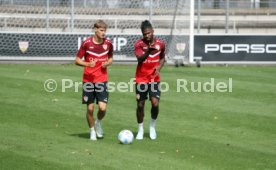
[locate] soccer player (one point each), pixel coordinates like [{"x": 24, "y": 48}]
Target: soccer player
[
  {"x": 97, "y": 52},
  {"x": 150, "y": 53}
]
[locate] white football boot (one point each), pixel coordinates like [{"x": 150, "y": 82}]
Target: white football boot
[
  {"x": 93, "y": 134},
  {"x": 140, "y": 134}
]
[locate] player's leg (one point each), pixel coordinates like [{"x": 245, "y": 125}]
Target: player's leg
[
  {"x": 100, "y": 116},
  {"x": 154, "y": 108},
  {"x": 88, "y": 98},
  {"x": 102, "y": 110},
  {"x": 140, "y": 111},
  {"x": 141, "y": 96},
  {"x": 90, "y": 120},
  {"x": 102, "y": 99},
  {"x": 154, "y": 114},
  {"x": 140, "y": 118},
  {"x": 154, "y": 93},
  {"x": 89, "y": 115}
]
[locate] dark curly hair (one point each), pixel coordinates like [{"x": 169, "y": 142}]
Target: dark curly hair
[{"x": 145, "y": 24}]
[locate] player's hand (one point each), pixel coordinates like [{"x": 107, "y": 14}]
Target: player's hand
[
  {"x": 157, "y": 71},
  {"x": 105, "y": 64},
  {"x": 92, "y": 63},
  {"x": 151, "y": 49}
]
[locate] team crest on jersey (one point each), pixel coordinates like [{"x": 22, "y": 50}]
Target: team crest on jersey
[
  {"x": 105, "y": 46},
  {"x": 23, "y": 46},
  {"x": 180, "y": 47},
  {"x": 157, "y": 47},
  {"x": 85, "y": 98}
]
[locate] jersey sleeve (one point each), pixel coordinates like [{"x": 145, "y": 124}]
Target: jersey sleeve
[
  {"x": 81, "y": 51},
  {"x": 110, "y": 52},
  {"x": 138, "y": 49}
]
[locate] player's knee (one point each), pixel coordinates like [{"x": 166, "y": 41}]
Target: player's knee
[
  {"x": 141, "y": 104},
  {"x": 90, "y": 109},
  {"x": 155, "y": 103},
  {"x": 102, "y": 108}
]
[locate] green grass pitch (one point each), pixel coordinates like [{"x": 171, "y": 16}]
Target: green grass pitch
[{"x": 196, "y": 131}]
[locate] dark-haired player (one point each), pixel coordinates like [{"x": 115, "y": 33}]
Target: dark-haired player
[
  {"x": 97, "y": 52},
  {"x": 150, "y": 53}
]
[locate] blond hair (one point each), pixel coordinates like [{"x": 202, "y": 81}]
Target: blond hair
[{"x": 100, "y": 24}]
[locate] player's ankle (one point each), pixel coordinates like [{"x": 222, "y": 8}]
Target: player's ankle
[
  {"x": 98, "y": 121},
  {"x": 99, "y": 129},
  {"x": 152, "y": 123}
]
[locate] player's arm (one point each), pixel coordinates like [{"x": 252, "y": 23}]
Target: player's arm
[
  {"x": 79, "y": 56},
  {"x": 107, "y": 63},
  {"x": 160, "y": 65},
  {"x": 142, "y": 57},
  {"x": 80, "y": 62},
  {"x": 161, "y": 62},
  {"x": 145, "y": 55},
  {"x": 110, "y": 57}
]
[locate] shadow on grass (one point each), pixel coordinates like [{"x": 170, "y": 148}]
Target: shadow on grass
[
  {"x": 81, "y": 135},
  {"x": 87, "y": 135},
  {"x": 146, "y": 134}
]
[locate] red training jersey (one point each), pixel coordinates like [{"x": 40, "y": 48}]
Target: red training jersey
[
  {"x": 99, "y": 52},
  {"x": 145, "y": 70}
]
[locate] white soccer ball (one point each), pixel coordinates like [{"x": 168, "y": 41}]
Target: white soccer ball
[{"x": 125, "y": 137}]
